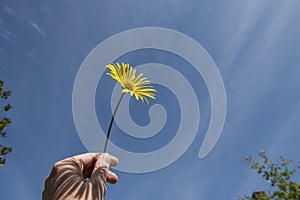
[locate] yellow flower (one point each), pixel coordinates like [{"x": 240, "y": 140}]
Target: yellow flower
[{"x": 137, "y": 86}]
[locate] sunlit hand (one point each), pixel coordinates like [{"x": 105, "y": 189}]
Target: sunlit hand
[{"x": 80, "y": 177}]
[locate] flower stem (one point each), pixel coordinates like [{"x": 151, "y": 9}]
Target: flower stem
[{"x": 111, "y": 122}]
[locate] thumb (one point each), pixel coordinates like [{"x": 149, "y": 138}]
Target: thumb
[
  {"x": 101, "y": 168},
  {"x": 103, "y": 161}
]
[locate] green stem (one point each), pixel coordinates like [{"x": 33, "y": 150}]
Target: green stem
[{"x": 111, "y": 122}]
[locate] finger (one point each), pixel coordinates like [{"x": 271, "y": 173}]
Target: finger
[
  {"x": 114, "y": 161},
  {"x": 87, "y": 159},
  {"x": 111, "y": 177},
  {"x": 104, "y": 161},
  {"x": 91, "y": 163},
  {"x": 107, "y": 160}
]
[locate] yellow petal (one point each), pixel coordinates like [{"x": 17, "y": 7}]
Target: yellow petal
[{"x": 137, "y": 86}]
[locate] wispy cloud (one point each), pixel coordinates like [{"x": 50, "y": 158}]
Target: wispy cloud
[
  {"x": 246, "y": 16},
  {"x": 14, "y": 13},
  {"x": 254, "y": 78},
  {"x": 278, "y": 25},
  {"x": 286, "y": 131},
  {"x": 8, "y": 10},
  {"x": 4, "y": 33},
  {"x": 37, "y": 28}
]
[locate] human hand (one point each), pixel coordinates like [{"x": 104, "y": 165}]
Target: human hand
[{"x": 80, "y": 177}]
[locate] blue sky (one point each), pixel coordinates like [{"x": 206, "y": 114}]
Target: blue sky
[{"x": 254, "y": 43}]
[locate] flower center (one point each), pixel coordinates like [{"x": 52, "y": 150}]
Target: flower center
[{"x": 129, "y": 85}]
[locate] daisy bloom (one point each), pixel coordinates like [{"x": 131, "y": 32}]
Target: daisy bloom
[{"x": 135, "y": 85}]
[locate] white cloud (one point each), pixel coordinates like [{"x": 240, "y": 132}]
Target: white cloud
[
  {"x": 9, "y": 10},
  {"x": 4, "y": 33},
  {"x": 281, "y": 20},
  {"x": 286, "y": 131},
  {"x": 246, "y": 15},
  {"x": 37, "y": 28}
]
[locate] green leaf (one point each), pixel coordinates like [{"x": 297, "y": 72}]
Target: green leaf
[
  {"x": 7, "y": 107},
  {"x": 1, "y": 85}
]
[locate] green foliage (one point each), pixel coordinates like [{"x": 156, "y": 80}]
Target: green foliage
[
  {"x": 4, "y": 122},
  {"x": 278, "y": 175}
]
